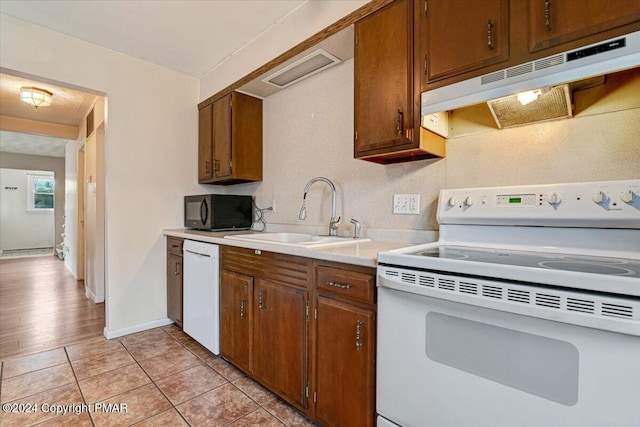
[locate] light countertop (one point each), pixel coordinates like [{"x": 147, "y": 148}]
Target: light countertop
[{"x": 361, "y": 253}]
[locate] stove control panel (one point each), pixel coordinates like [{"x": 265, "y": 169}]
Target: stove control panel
[{"x": 605, "y": 204}]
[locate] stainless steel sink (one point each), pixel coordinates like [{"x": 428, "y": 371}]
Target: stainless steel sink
[{"x": 300, "y": 240}]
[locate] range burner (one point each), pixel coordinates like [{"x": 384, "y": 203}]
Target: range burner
[
  {"x": 553, "y": 261},
  {"x": 586, "y": 267}
]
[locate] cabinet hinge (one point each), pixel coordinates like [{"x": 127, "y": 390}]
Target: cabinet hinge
[
  {"x": 306, "y": 391},
  {"x": 425, "y": 7},
  {"x": 307, "y": 310},
  {"x": 315, "y": 314},
  {"x": 231, "y": 103},
  {"x": 356, "y": 135},
  {"x": 230, "y": 164},
  {"x": 425, "y": 65},
  {"x": 315, "y": 397}
]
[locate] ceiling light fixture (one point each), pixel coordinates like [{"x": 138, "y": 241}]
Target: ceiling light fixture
[{"x": 35, "y": 96}]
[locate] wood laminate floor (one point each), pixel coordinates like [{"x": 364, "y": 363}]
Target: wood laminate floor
[{"x": 43, "y": 307}]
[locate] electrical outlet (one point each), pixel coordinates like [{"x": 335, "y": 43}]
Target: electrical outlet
[{"x": 408, "y": 204}]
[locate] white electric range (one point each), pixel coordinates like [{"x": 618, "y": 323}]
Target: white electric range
[{"x": 526, "y": 311}]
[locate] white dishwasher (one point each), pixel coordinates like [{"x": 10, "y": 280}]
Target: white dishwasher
[{"x": 201, "y": 294}]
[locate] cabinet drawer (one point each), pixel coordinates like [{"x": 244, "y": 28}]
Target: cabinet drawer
[
  {"x": 349, "y": 284},
  {"x": 174, "y": 245}
]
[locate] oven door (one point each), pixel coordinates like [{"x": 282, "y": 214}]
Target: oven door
[{"x": 444, "y": 363}]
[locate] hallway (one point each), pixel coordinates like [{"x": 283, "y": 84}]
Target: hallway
[{"x": 43, "y": 307}]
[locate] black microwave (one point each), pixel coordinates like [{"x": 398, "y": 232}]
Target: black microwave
[{"x": 218, "y": 212}]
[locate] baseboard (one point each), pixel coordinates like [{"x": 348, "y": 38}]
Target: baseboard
[
  {"x": 137, "y": 328},
  {"x": 93, "y": 297}
]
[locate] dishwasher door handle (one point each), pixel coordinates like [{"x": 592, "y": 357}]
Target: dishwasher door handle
[{"x": 197, "y": 253}]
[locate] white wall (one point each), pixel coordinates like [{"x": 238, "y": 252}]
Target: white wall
[
  {"x": 308, "y": 131},
  {"x": 151, "y": 156},
  {"x": 20, "y": 227},
  {"x": 305, "y": 21},
  {"x": 43, "y": 163}
]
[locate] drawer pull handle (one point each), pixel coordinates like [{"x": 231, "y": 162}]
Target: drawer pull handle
[
  {"x": 261, "y": 299},
  {"x": 338, "y": 285},
  {"x": 359, "y": 344},
  {"x": 242, "y": 309},
  {"x": 547, "y": 15},
  {"x": 489, "y": 35},
  {"x": 400, "y": 122},
  {"x": 176, "y": 271}
]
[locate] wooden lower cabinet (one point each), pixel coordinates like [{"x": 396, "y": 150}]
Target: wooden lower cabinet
[
  {"x": 236, "y": 318},
  {"x": 304, "y": 329},
  {"x": 281, "y": 340},
  {"x": 345, "y": 354},
  {"x": 174, "y": 279}
]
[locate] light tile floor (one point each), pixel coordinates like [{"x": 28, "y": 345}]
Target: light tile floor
[{"x": 164, "y": 377}]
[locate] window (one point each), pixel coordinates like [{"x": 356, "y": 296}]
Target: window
[{"x": 41, "y": 192}]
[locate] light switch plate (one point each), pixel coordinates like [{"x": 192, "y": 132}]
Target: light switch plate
[{"x": 408, "y": 204}]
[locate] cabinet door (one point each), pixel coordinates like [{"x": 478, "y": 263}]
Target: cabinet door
[
  {"x": 205, "y": 144},
  {"x": 465, "y": 35},
  {"x": 174, "y": 288},
  {"x": 384, "y": 80},
  {"x": 236, "y": 319},
  {"x": 222, "y": 137},
  {"x": 554, "y": 22},
  {"x": 281, "y": 339},
  {"x": 345, "y": 366}
]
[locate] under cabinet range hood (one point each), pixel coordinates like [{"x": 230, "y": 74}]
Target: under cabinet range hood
[{"x": 606, "y": 57}]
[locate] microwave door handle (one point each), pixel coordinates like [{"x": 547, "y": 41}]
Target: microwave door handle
[{"x": 204, "y": 214}]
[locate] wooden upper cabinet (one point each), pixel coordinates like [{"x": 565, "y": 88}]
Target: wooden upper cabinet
[
  {"x": 205, "y": 144},
  {"x": 222, "y": 137},
  {"x": 230, "y": 140},
  {"x": 383, "y": 79},
  {"x": 555, "y": 22},
  {"x": 465, "y": 35},
  {"x": 388, "y": 77}
]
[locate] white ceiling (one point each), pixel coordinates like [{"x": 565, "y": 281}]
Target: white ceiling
[
  {"x": 68, "y": 106},
  {"x": 185, "y": 35},
  {"x": 188, "y": 36},
  {"x": 14, "y": 142}
]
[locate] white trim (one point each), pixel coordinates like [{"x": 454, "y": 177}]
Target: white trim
[
  {"x": 137, "y": 328},
  {"x": 93, "y": 297}
]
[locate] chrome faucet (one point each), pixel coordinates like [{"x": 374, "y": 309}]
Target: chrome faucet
[{"x": 334, "y": 223}]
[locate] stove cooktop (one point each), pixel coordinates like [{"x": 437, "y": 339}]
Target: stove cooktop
[{"x": 550, "y": 261}]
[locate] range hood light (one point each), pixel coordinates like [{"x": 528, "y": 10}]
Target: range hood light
[
  {"x": 546, "y": 103},
  {"x": 529, "y": 96}
]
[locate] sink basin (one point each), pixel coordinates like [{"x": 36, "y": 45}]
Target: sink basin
[{"x": 300, "y": 240}]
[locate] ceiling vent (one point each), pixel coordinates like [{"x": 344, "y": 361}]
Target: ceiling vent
[
  {"x": 533, "y": 106},
  {"x": 307, "y": 66}
]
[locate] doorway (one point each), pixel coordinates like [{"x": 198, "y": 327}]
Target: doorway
[{"x": 65, "y": 118}]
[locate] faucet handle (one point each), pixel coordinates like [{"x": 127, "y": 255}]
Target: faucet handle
[
  {"x": 335, "y": 223},
  {"x": 356, "y": 230}
]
